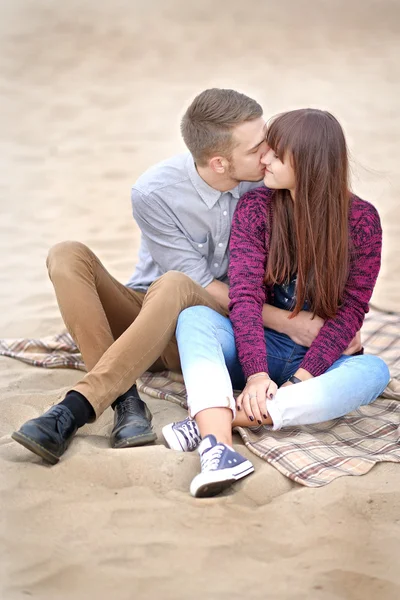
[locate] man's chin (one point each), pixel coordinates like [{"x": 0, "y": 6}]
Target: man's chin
[{"x": 259, "y": 177}]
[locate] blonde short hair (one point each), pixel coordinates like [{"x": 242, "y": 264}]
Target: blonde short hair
[{"x": 208, "y": 123}]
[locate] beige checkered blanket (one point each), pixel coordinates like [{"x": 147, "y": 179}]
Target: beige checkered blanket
[{"x": 311, "y": 455}]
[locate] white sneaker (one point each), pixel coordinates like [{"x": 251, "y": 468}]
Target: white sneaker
[
  {"x": 220, "y": 467},
  {"x": 183, "y": 436}
]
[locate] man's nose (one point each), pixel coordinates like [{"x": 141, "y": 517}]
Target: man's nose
[{"x": 265, "y": 154}]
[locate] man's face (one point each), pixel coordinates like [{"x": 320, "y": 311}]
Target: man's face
[{"x": 245, "y": 163}]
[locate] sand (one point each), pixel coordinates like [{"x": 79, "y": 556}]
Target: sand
[{"x": 91, "y": 95}]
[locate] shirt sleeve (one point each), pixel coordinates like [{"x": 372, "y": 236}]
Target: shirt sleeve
[
  {"x": 365, "y": 260},
  {"x": 246, "y": 278},
  {"x": 168, "y": 245}
]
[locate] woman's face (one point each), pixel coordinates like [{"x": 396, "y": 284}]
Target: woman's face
[{"x": 278, "y": 175}]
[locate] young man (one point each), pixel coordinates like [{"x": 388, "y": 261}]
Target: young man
[{"x": 184, "y": 208}]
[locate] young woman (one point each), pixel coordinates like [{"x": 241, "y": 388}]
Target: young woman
[{"x": 302, "y": 243}]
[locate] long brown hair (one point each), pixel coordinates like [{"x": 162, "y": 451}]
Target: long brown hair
[{"x": 310, "y": 233}]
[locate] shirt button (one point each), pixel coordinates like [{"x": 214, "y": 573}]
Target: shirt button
[
  {"x": 215, "y": 264},
  {"x": 220, "y": 244},
  {"x": 200, "y": 245},
  {"x": 225, "y": 213}
]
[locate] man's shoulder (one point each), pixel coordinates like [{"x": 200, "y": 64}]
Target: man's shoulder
[{"x": 167, "y": 173}]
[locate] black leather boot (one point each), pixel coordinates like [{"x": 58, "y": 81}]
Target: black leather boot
[
  {"x": 132, "y": 423},
  {"x": 48, "y": 436}
]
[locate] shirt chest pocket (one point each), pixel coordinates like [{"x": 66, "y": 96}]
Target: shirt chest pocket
[{"x": 202, "y": 246}]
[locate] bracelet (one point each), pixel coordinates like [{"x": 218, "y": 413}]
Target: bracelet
[
  {"x": 258, "y": 375},
  {"x": 294, "y": 379}
]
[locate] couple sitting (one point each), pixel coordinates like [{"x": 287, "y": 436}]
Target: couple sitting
[{"x": 304, "y": 254}]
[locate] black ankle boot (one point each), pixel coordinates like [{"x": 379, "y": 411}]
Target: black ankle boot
[
  {"x": 48, "y": 436},
  {"x": 132, "y": 422}
]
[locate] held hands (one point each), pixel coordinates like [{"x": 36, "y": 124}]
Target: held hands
[{"x": 259, "y": 388}]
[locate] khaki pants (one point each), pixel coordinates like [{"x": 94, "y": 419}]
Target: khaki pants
[{"x": 120, "y": 332}]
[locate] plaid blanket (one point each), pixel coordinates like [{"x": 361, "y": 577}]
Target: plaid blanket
[{"x": 311, "y": 455}]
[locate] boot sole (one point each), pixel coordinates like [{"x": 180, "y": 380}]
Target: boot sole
[
  {"x": 34, "y": 447},
  {"x": 138, "y": 440}
]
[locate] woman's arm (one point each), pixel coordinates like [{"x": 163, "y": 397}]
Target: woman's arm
[
  {"x": 248, "y": 254},
  {"x": 365, "y": 260}
]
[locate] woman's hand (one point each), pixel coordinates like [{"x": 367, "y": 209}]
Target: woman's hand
[{"x": 252, "y": 400}]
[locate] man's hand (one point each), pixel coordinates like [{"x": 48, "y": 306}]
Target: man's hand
[
  {"x": 355, "y": 345},
  {"x": 303, "y": 328}
]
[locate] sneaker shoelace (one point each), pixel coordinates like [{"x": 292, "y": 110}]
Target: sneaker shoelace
[
  {"x": 189, "y": 431},
  {"x": 210, "y": 460}
]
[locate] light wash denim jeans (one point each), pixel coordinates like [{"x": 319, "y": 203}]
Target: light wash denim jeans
[{"x": 211, "y": 370}]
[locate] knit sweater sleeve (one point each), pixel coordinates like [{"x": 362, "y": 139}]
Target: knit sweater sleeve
[
  {"x": 365, "y": 259},
  {"x": 246, "y": 279}
]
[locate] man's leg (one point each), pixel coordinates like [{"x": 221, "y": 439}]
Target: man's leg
[
  {"x": 136, "y": 349},
  {"x": 150, "y": 336},
  {"x": 95, "y": 307}
]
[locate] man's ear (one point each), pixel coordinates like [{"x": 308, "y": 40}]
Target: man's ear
[{"x": 218, "y": 164}]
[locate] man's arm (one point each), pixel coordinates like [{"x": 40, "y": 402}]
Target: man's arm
[
  {"x": 220, "y": 292},
  {"x": 167, "y": 243},
  {"x": 303, "y": 329}
]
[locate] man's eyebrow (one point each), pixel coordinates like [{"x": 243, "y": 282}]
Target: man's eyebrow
[{"x": 257, "y": 145}]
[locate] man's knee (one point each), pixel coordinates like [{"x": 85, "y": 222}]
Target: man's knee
[
  {"x": 175, "y": 279},
  {"x": 175, "y": 284},
  {"x": 63, "y": 254}
]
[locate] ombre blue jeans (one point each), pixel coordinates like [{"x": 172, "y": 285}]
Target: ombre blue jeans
[{"x": 211, "y": 371}]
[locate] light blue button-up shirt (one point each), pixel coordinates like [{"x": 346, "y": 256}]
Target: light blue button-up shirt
[{"x": 185, "y": 224}]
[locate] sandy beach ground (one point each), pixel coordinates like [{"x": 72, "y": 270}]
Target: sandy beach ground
[{"x": 91, "y": 94}]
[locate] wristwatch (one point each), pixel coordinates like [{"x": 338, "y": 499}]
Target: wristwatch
[{"x": 294, "y": 379}]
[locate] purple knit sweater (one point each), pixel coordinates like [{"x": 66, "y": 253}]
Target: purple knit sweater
[{"x": 249, "y": 245}]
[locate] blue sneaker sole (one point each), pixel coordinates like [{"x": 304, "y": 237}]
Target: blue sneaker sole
[{"x": 210, "y": 484}]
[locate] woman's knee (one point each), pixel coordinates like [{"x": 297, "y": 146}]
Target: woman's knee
[
  {"x": 379, "y": 370},
  {"x": 201, "y": 316}
]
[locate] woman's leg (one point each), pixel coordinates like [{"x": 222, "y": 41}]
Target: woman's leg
[
  {"x": 205, "y": 341},
  {"x": 351, "y": 382},
  {"x": 208, "y": 360}
]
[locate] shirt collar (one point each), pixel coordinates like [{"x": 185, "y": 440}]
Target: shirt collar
[{"x": 209, "y": 195}]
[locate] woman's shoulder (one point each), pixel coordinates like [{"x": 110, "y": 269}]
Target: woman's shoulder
[
  {"x": 256, "y": 199},
  {"x": 364, "y": 215},
  {"x": 261, "y": 193}
]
